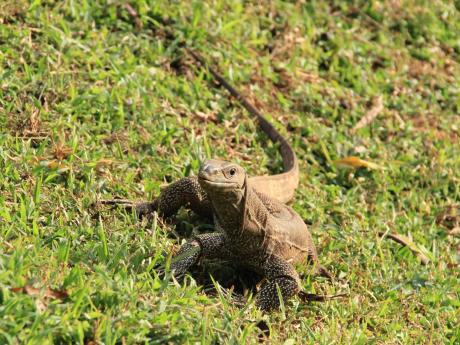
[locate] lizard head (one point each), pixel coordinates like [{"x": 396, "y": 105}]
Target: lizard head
[
  {"x": 216, "y": 175},
  {"x": 225, "y": 184}
]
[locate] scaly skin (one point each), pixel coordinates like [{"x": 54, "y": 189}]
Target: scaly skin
[{"x": 253, "y": 230}]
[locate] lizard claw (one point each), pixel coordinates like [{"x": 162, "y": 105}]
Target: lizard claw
[
  {"x": 126, "y": 204},
  {"x": 145, "y": 209},
  {"x": 239, "y": 300},
  {"x": 162, "y": 273},
  {"x": 311, "y": 297},
  {"x": 141, "y": 209},
  {"x": 236, "y": 298}
]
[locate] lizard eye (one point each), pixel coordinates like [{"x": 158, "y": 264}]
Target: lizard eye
[{"x": 232, "y": 171}]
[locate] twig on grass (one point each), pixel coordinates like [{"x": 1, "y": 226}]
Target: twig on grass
[
  {"x": 47, "y": 292},
  {"x": 405, "y": 241},
  {"x": 371, "y": 114},
  {"x": 133, "y": 13}
]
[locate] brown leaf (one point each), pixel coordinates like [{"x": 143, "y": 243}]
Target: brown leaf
[
  {"x": 205, "y": 117},
  {"x": 60, "y": 151},
  {"x": 47, "y": 292},
  {"x": 355, "y": 162},
  {"x": 34, "y": 122},
  {"x": 449, "y": 217},
  {"x": 54, "y": 165},
  {"x": 405, "y": 241},
  {"x": 373, "y": 112},
  {"x": 308, "y": 77},
  {"x": 144, "y": 134},
  {"x": 27, "y": 124},
  {"x": 104, "y": 162},
  {"x": 120, "y": 137}
]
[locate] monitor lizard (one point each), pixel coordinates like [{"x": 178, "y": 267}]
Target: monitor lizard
[{"x": 255, "y": 228}]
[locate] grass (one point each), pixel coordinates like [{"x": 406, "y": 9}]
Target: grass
[{"x": 95, "y": 104}]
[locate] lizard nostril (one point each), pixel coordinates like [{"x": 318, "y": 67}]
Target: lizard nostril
[{"x": 207, "y": 169}]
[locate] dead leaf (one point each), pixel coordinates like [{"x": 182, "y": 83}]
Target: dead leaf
[
  {"x": 355, "y": 163},
  {"x": 27, "y": 124},
  {"x": 105, "y": 162},
  {"x": 61, "y": 152},
  {"x": 47, "y": 292},
  {"x": 120, "y": 137},
  {"x": 132, "y": 12},
  {"x": 34, "y": 121},
  {"x": 406, "y": 241},
  {"x": 308, "y": 77},
  {"x": 372, "y": 113},
  {"x": 205, "y": 117},
  {"x": 449, "y": 217},
  {"x": 54, "y": 165},
  {"x": 144, "y": 134}
]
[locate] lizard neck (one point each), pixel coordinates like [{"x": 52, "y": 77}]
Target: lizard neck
[
  {"x": 229, "y": 208},
  {"x": 228, "y": 214}
]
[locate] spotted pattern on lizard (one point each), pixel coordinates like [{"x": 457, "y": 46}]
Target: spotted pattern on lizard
[{"x": 253, "y": 230}]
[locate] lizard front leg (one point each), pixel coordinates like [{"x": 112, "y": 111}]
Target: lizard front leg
[
  {"x": 205, "y": 245},
  {"x": 281, "y": 275},
  {"x": 186, "y": 192}
]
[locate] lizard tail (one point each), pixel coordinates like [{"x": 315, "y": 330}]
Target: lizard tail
[{"x": 281, "y": 186}]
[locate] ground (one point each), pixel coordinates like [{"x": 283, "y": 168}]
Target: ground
[{"x": 97, "y": 102}]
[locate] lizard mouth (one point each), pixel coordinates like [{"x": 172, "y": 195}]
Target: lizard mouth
[{"x": 219, "y": 184}]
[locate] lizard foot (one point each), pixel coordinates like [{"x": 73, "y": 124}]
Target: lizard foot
[
  {"x": 186, "y": 257},
  {"x": 269, "y": 296},
  {"x": 162, "y": 274},
  {"x": 236, "y": 299}
]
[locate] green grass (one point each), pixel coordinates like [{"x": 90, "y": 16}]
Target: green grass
[{"x": 94, "y": 106}]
